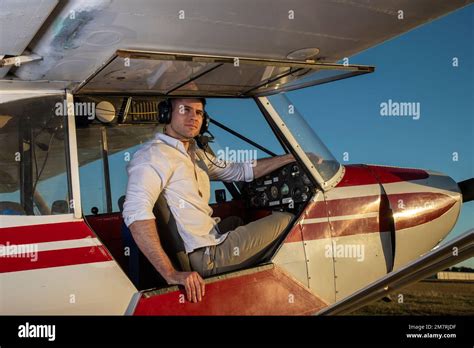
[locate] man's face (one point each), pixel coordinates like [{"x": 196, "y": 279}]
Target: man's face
[{"x": 187, "y": 117}]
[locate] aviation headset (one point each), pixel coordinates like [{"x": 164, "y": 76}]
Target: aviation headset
[{"x": 165, "y": 110}]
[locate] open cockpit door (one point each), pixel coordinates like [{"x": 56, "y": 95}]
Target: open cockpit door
[{"x": 176, "y": 74}]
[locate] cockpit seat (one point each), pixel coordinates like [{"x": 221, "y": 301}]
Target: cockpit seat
[
  {"x": 169, "y": 236},
  {"x": 171, "y": 241},
  {"x": 11, "y": 208}
]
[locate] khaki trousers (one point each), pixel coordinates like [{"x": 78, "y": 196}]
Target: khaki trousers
[{"x": 244, "y": 244}]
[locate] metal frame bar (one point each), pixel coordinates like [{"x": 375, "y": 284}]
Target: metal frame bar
[
  {"x": 159, "y": 55},
  {"x": 105, "y": 164},
  {"x": 274, "y": 129},
  {"x": 74, "y": 162},
  {"x": 240, "y": 136},
  {"x": 18, "y": 60},
  {"x": 68, "y": 163},
  {"x": 26, "y": 146}
]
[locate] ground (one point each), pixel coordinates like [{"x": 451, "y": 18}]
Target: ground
[{"x": 428, "y": 297}]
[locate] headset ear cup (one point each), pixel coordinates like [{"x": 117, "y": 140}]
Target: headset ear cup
[{"x": 164, "y": 111}]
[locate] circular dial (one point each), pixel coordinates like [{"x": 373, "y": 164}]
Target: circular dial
[
  {"x": 284, "y": 190},
  {"x": 274, "y": 192}
]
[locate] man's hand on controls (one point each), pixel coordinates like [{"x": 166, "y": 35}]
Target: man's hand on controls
[{"x": 192, "y": 282}]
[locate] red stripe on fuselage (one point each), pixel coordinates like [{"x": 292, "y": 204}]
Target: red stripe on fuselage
[
  {"x": 54, "y": 258},
  {"x": 45, "y": 233},
  {"x": 357, "y": 175},
  {"x": 12, "y": 237},
  {"x": 388, "y": 175},
  {"x": 433, "y": 206}
]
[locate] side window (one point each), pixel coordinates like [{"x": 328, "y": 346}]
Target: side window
[
  {"x": 34, "y": 179},
  {"x": 244, "y": 117},
  {"x": 91, "y": 170},
  {"x": 115, "y": 146}
]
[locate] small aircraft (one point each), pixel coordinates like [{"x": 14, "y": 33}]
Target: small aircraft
[{"x": 80, "y": 82}]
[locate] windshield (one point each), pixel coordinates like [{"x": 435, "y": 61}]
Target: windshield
[{"x": 322, "y": 160}]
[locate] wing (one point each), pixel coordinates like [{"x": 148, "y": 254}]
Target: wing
[{"x": 77, "y": 38}]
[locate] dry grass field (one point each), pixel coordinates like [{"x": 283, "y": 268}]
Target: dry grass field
[{"x": 428, "y": 297}]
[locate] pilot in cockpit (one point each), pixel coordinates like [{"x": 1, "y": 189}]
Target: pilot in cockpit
[{"x": 173, "y": 165}]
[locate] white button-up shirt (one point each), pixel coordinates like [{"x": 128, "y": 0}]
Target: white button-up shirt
[{"x": 162, "y": 166}]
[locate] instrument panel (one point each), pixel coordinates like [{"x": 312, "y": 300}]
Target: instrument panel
[{"x": 285, "y": 187}]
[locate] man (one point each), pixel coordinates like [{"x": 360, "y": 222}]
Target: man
[{"x": 173, "y": 165}]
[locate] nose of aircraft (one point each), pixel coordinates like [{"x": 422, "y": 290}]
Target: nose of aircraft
[
  {"x": 425, "y": 201},
  {"x": 424, "y": 212}
]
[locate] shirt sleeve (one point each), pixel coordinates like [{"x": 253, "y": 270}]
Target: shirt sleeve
[
  {"x": 227, "y": 171},
  {"x": 147, "y": 176}
]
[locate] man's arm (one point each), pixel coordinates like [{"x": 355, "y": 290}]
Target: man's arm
[
  {"x": 268, "y": 165},
  {"x": 145, "y": 234}
]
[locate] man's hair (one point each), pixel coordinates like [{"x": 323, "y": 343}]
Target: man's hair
[{"x": 202, "y": 100}]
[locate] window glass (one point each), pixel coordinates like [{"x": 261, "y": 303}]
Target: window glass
[
  {"x": 244, "y": 117},
  {"x": 91, "y": 170},
  {"x": 34, "y": 179},
  {"x": 317, "y": 152},
  {"x": 122, "y": 142}
]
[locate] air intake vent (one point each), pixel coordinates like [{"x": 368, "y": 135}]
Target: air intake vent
[
  {"x": 138, "y": 111},
  {"x": 143, "y": 111}
]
